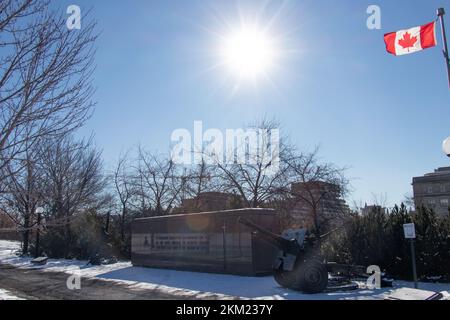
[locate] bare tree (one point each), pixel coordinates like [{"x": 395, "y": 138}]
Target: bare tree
[
  {"x": 125, "y": 191},
  {"x": 73, "y": 182},
  {"x": 11, "y": 10},
  {"x": 409, "y": 201},
  {"x": 23, "y": 195},
  {"x": 159, "y": 181},
  {"x": 317, "y": 188},
  {"x": 200, "y": 179},
  {"x": 259, "y": 174},
  {"x": 45, "y": 76}
]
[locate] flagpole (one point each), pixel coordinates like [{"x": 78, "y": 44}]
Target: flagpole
[{"x": 440, "y": 13}]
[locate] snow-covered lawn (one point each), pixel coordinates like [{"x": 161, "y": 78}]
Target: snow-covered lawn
[
  {"x": 194, "y": 282},
  {"x": 6, "y": 295}
]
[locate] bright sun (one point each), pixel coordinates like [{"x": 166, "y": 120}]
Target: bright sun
[{"x": 249, "y": 52}]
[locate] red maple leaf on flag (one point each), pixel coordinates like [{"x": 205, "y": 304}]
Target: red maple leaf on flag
[{"x": 407, "y": 41}]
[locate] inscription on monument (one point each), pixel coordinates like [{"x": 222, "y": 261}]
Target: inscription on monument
[{"x": 177, "y": 242}]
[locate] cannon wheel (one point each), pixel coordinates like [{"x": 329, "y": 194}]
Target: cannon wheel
[
  {"x": 311, "y": 276},
  {"x": 284, "y": 278}
]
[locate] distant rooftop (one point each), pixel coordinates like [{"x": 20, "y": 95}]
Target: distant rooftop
[
  {"x": 439, "y": 174},
  {"x": 439, "y": 171}
]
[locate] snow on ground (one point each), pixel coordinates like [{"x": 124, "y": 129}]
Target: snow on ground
[
  {"x": 194, "y": 282},
  {"x": 6, "y": 295}
]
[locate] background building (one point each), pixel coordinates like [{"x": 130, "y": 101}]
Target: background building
[
  {"x": 8, "y": 229},
  {"x": 316, "y": 200},
  {"x": 432, "y": 190},
  {"x": 307, "y": 204},
  {"x": 367, "y": 209},
  {"x": 209, "y": 201}
]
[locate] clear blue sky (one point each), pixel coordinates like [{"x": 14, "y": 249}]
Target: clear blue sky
[{"x": 383, "y": 116}]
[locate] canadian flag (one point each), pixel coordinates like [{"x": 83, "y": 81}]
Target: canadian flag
[{"x": 411, "y": 40}]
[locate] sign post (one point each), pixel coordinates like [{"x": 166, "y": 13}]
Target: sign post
[{"x": 410, "y": 233}]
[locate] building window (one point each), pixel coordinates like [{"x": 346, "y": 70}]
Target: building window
[
  {"x": 431, "y": 202},
  {"x": 442, "y": 187},
  {"x": 430, "y": 189},
  {"x": 444, "y": 202}
]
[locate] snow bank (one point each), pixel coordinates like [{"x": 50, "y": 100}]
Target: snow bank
[{"x": 6, "y": 295}]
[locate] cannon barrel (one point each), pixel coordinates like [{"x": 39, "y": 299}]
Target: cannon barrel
[{"x": 288, "y": 246}]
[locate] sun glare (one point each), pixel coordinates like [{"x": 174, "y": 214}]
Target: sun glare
[{"x": 249, "y": 52}]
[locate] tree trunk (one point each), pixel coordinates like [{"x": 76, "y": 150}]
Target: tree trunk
[
  {"x": 26, "y": 235},
  {"x": 26, "y": 240},
  {"x": 36, "y": 252},
  {"x": 67, "y": 238},
  {"x": 108, "y": 215},
  {"x": 317, "y": 226},
  {"x": 122, "y": 224}
]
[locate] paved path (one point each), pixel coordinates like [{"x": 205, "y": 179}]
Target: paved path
[{"x": 36, "y": 284}]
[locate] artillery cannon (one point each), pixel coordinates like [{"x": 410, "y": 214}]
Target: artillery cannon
[
  {"x": 298, "y": 265},
  {"x": 295, "y": 266}
]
